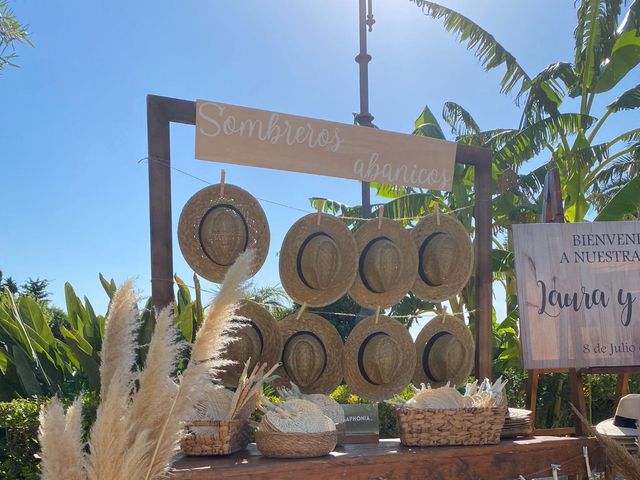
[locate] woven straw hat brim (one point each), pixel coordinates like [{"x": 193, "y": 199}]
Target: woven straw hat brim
[
  {"x": 331, "y": 347},
  {"x": 263, "y": 324},
  {"x": 407, "y": 263},
  {"x": 344, "y": 260},
  {"x": 355, "y": 359},
  {"x": 253, "y": 224},
  {"x": 437, "y": 328},
  {"x": 458, "y": 255}
]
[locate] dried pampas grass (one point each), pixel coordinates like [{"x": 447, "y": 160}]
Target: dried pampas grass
[
  {"x": 628, "y": 465},
  {"x": 140, "y": 417},
  {"x": 61, "y": 441}
]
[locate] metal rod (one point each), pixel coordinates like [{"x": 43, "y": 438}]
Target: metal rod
[{"x": 364, "y": 118}]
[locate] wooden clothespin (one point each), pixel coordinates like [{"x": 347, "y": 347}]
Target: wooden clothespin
[
  {"x": 377, "y": 313},
  {"x": 301, "y": 311},
  {"x": 444, "y": 314},
  {"x": 380, "y": 216},
  {"x": 319, "y": 212},
  {"x": 554, "y": 470},
  {"x": 222, "y": 177},
  {"x": 437, "y": 212}
]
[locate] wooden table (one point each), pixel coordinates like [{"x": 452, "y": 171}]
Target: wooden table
[{"x": 388, "y": 460}]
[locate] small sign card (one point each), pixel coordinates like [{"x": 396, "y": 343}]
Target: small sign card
[
  {"x": 578, "y": 290},
  {"x": 259, "y": 138},
  {"x": 361, "y": 423}
]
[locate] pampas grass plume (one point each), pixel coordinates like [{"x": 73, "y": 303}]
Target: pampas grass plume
[
  {"x": 60, "y": 435},
  {"x": 140, "y": 417}
]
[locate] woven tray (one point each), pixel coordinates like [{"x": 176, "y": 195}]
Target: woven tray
[
  {"x": 215, "y": 437},
  {"x": 463, "y": 426},
  {"x": 295, "y": 445}
]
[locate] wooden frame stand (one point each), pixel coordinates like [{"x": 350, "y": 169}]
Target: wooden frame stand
[
  {"x": 553, "y": 212},
  {"x": 162, "y": 111}
]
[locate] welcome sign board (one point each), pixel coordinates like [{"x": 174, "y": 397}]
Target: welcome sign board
[
  {"x": 578, "y": 289},
  {"x": 246, "y": 136}
]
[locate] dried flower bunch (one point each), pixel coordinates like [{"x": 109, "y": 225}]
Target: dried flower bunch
[
  {"x": 485, "y": 395},
  {"x": 220, "y": 403},
  {"x": 140, "y": 417},
  {"x": 327, "y": 405},
  {"x": 294, "y": 416}
]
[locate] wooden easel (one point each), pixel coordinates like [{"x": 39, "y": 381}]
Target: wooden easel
[{"x": 553, "y": 212}]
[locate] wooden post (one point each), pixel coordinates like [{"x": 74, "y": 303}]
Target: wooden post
[
  {"x": 484, "y": 267},
  {"x": 161, "y": 111}
]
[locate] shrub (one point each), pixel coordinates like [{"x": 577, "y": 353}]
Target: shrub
[
  {"x": 19, "y": 439},
  {"x": 19, "y": 435}
]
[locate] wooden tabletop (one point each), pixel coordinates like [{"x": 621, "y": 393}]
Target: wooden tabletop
[{"x": 388, "y": 460}]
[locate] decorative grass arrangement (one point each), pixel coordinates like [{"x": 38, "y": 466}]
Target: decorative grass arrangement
[
  {"x": 140, "y": 417},
  {"x": 625, "y": 463}
]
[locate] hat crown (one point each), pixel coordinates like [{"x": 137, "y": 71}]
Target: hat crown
[
  {"x": 380, "y": 359},
  {"x": 320, "y": 261},
  {"x": 304, "y": 359},
  {"x": 247, "y": 346},
  {"x": 382, "y": 265},
  {"x": 223, "y": 234},
  {"x": 438, "y": 258},
  {"x": 446, "y": 358},
  {"x": 629, "y": 407}
]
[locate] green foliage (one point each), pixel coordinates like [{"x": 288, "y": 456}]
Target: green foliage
[
  {"x": 606, "y": 51},
  {"x": 45, "y": 351},
  {"x": 36, "y": 289},
  {"x": 19, "y": 425},
  {"x": 11, "y": 33},
  {"x": 19, "y": 439}
]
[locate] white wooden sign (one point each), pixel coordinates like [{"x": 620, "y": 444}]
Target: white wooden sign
[
  {"x": 578, "y": 290},
  {"x": 246, "y": 136}
]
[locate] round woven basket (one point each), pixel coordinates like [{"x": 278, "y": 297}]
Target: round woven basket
[
  {"x": 215, "y": 437},
  {"x": 295, "y": 445}
]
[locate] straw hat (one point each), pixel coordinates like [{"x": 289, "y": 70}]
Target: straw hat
[
  {"x": 445, "y": 255},
  {"x": 625, "y": 422},
  {"x": 378, "y": 358},
  {"x": 445, "y": 352},
  {"x": 387, "y": 263},
  {"x": 257, "y": 340},
  {"x": 216, "y": 226},
  {"x": 318, "y": 260},
  {"x": 311, "y": 353}
]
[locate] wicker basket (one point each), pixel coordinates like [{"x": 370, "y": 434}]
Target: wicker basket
[
  {"x": 462, "y": 426},
  {"x": 215, "y": 437},
  {"x": 295, "y": 445}
]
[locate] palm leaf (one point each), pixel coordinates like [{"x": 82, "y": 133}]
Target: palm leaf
[
  {"x": 491, "y": 139},
  {"x": 617, "y": 174},
  {"x": 426, "y": 125},
  {"x": 588, "y": 33},
  {"x": 589, "y": 156},
  {"x": 386, "y": 190},
  {"x": 624, "y": 53},
  {"x": 625, "y": 203},
  {"x": 544, "y": 92},
  {"x": 531, "y": 140},
  {"x": 627, "y": 101},
  {"x": 486, "y": 48},
  {"x": 459, "y": 119}
]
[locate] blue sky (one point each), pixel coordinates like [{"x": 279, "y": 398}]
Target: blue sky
[{"x": 73, "y": 116}]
